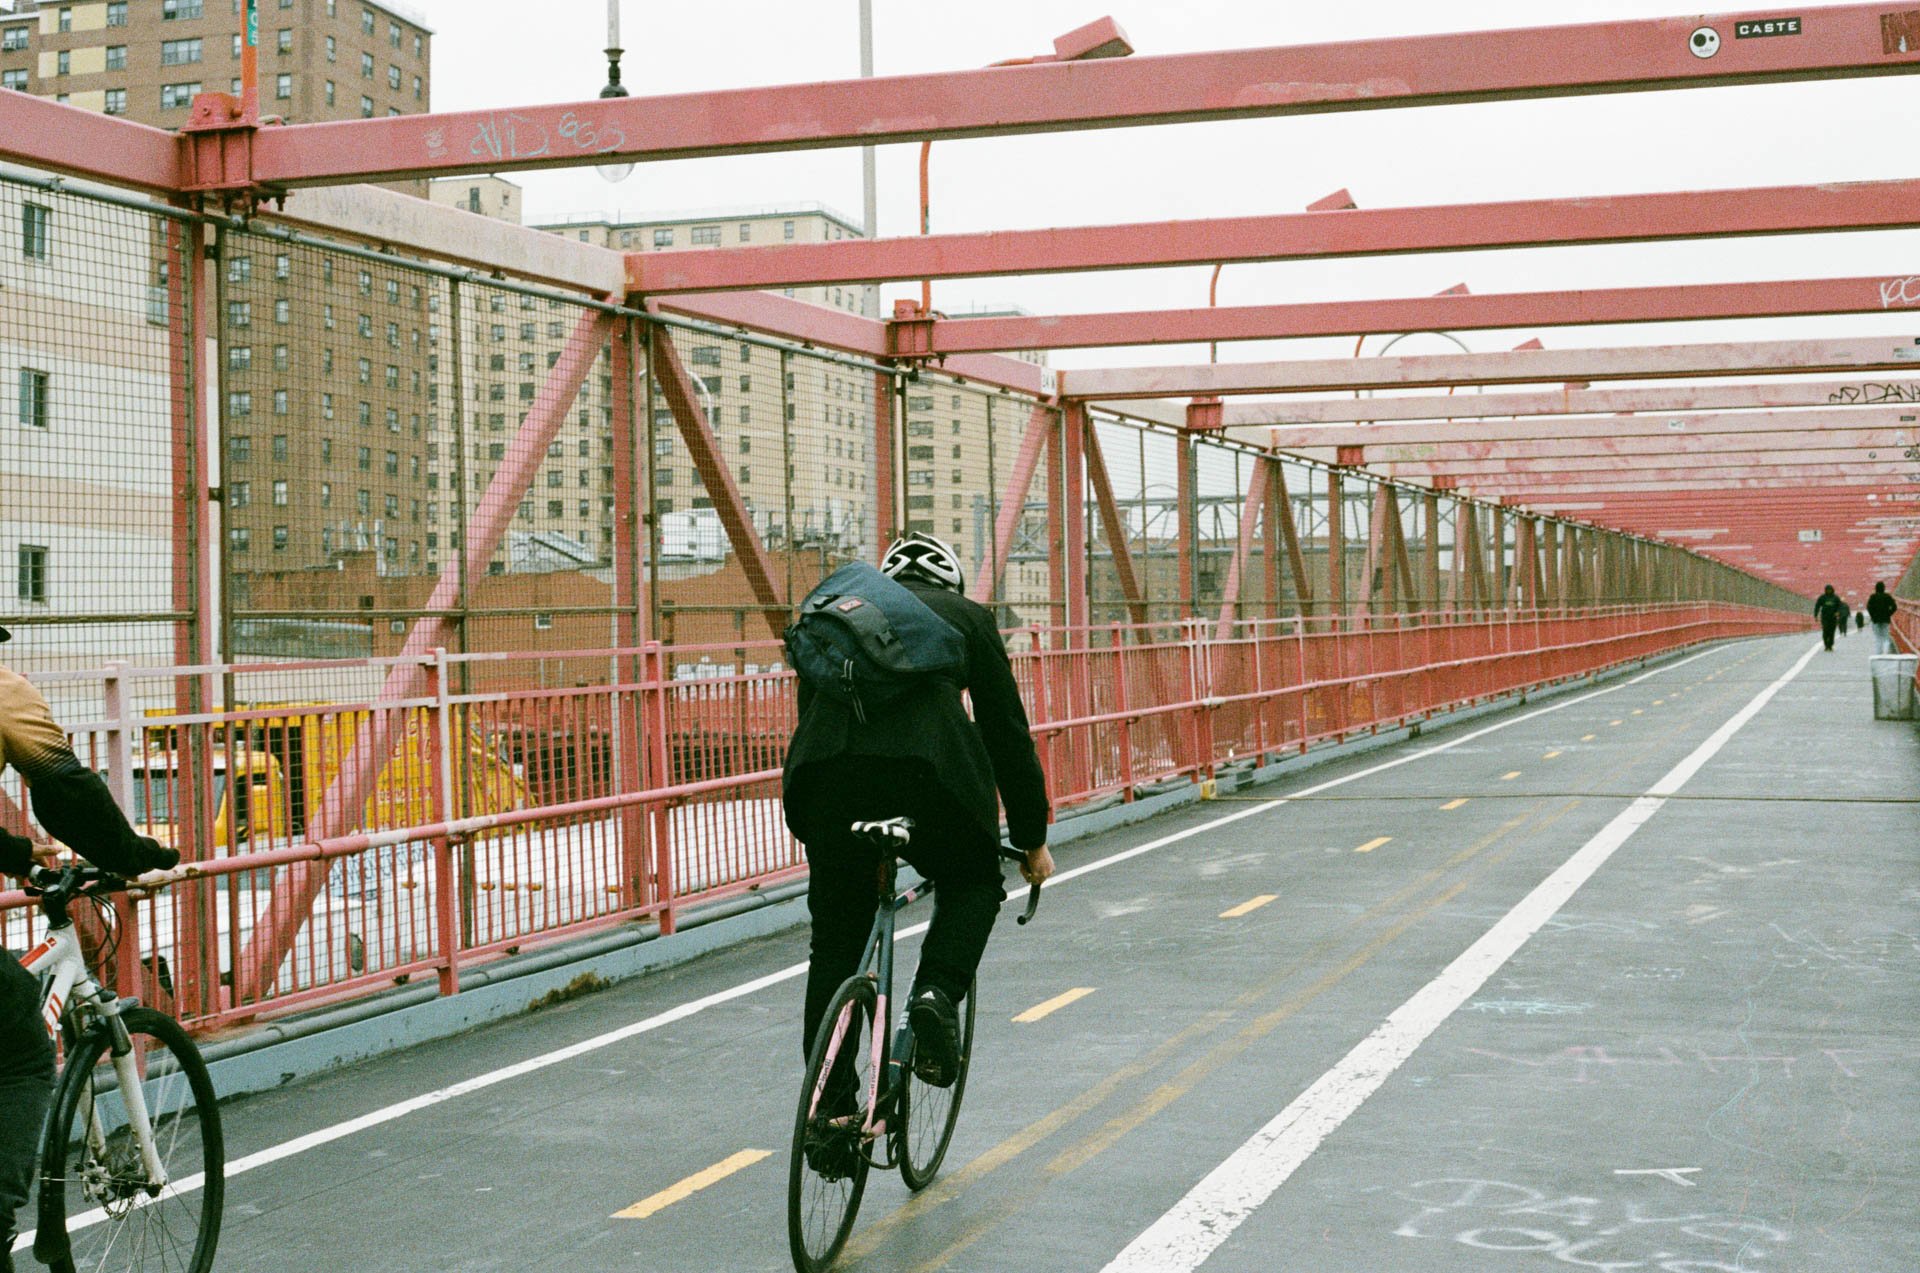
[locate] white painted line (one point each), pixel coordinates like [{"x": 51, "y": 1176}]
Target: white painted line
[
  {"x": 1182, "y": 1239},
  {"x": 1678, "y": 1175},
  {"x": 532, "y": 1065}
]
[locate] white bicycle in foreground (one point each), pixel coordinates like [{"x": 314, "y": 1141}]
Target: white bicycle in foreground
[{"x": 132, "y": 1165}]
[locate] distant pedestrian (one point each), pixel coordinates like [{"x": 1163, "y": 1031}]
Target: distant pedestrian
[
  {"x": 1827, "y": 609},
  {"x": 1880, "y": 608},
  {"x": 1845, "y": 610},
  {"x": 1859, "y": 619}
]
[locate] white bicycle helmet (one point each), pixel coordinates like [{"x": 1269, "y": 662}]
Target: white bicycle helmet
[{"x": 923, "y": 558}]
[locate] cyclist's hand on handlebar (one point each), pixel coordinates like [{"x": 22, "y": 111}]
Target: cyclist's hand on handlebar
[
  {"x": 156, "y": 857},
  {"x": 1038, "y": 866},
  {"x": 46, "y": 855}
]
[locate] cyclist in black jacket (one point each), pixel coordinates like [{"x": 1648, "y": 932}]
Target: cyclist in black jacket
[
  {"x": 73, "y": 803},
  {"x": 921, "y": 758}
]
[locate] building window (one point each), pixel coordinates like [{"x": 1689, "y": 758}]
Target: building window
[
  {"x": 280, "y": 447},
  {"x": 281, "y": 402},
  {"x": 179, "y": 10},
  {"x": 240, "y": 403},
  {"x": 239, "y": 313},
  {"x": 63, "y": 63},
  {"x": 239, "y": 539},
  {"x": 419, "y": 47},
  {"x": 180, "y": 52},
  {"x": 279, "y": 492},
  {"x": 33, "y": 398},
  {"x": 283, "y": 87},
  {"x": 704, "y": 234},
  {"x": 35, "y": 219},
  {"x": 64, "y": 22},
  {"x": 283, "y": 311},
  {"x": 333, "y": 50},
  {"x": 330, "y": 92},
  {"x": 239, "y": 357},
  {"x": 786, "y": 229},
  {"x": 366, "y": 21},
  {"x": 366, "y": 107},
  {"x": 117, "y": 13},
  {"x": 116, "y": 57},
  {"x": 326, "y": 494},
  {"x": 281, "y": 360},
  {"x": 116, "y": 101},
  {"x": 239, "y": 494},
  {"x": 363, "y": 501},
  {"x": 14, "y": 38},
  {"x": 285, "y": 40},
  {"x": 663, "y": 238},
  {"x": 746, "y": 231},
  {"x": 237, "y": 41},
  {"x": 16, "y": 80},
  {"x": 366, "y": 66},
  {"x": 418, "y": 91},
  {"x": 279, "y": 539},
  {"x": 393, "y": 78},
  {"x": 239, "y": 449},
  {"x": 178, "y": 96}
]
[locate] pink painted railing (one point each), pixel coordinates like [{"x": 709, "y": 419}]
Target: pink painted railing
[{"x": 507, "y": 819}]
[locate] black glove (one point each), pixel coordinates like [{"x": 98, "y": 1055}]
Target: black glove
[
  {"x": 156, "y": 857},
  {"x": 16, "y": 854}
]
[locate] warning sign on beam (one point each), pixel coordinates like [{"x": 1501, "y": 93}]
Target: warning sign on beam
[{"x": 1810, "y": 536}]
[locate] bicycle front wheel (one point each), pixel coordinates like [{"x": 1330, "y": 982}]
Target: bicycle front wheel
[
  {"x": 928, "y": 1113},
  {"x": 97, "y": 1195},
  {"x": 828, "y": 1171}
]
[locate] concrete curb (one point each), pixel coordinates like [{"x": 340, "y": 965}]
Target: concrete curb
[{"x": 287, "y": 1051}]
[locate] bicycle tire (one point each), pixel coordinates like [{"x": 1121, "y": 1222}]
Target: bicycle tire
[
  {"x": 187, "y": 1136},
  {"x": 821, "y": 1204},
  {"x": 928, "y": 1113}
]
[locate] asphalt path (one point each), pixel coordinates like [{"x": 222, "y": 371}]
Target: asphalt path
[{"x": 1624, "y": 980}]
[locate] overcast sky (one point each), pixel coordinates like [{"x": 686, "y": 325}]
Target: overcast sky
[{"x": 491, "y": 53}]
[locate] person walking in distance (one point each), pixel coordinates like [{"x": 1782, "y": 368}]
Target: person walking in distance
[
  {"x": 1845, "y": 610},
  {"x": 1827, "y": 610},
  {"x": 73, "y": 803},
  {"x": 1880, "y": 611},
  {"x": 917, "y": 755}
]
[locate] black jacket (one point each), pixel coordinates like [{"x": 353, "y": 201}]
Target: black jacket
[
  {"x": 969, "y": 758},
  {"x": 70, "y": 800},
  {"x": 1827, "y": 607},
  {"x": 1880, "y": 607}
]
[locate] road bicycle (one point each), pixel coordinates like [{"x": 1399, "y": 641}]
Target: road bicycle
[
  {"x": 132, "y": 1163},
  {"x": 861, "y": 1104}
]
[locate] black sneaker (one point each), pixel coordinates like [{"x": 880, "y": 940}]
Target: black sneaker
[
  {"x": 833, "y": 1148},
  {"x": 6, "y": 1250},
  {"x": 936, "y": 1037}
]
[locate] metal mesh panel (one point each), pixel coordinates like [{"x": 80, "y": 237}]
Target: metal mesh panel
[{"x": 91, "y": 396}]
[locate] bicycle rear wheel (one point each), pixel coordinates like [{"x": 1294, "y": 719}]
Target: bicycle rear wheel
[
  {"x": 928, "y": 1113},
  {"x": 827, "y": 1173},
  {"x": 95, "y": 1200}
]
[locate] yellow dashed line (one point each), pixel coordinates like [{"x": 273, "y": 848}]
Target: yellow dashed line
[
  {"x": 1060, "y": 1001},
  {"x": 1638, "y": 712},
  {"x": 1247, "y": 908},
  {"x": 1587, "y": 738},
  {"x": 1550, "y": 755},
  {"x": 1658, "y": 701},
  {"x": 1510, "y": 777},
  {"x": 1371, "y": 845},
  {"x": 692, "y": 1184},
  {"x": 1453, "y": 804},
  {"x": 1613, "y": 722}
]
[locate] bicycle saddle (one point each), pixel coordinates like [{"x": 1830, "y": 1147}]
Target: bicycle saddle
[{"x": 888, "y": 831}]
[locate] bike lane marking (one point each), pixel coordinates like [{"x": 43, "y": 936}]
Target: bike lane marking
[
  {"x": 693, "y": 1184},
  {"x": 1053, "y": 1005},
  {"x": 1374, "y": 843},
  {"x": 534, "y": 1064},
  {"x": 1183, "y": 1238},
  {"x": 1249, "y": 907}
]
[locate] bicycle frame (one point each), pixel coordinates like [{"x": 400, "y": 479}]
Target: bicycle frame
[
  {"x": 71, "y": 987},
  {"x": 889, "y": 1044}
]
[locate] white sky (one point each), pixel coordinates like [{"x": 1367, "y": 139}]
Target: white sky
[{"x": 490, "y": 53}]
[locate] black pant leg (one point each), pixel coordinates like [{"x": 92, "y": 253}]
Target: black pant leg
[
  {"x": 842, "y": 897},
  {"x": 968, "y": 893},
  {"x": 26, "y": 1084}
]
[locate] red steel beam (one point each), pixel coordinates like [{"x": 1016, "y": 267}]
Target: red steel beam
[
  {"x": 344, "y": 802},
  {"x": 1628, "y": 463},
  {"x": 1448, "y": 311},
  {"x": 43, "y": 133},
  {"x": 1577, "y": 401},
  {"x": 1528, "y": 366},
  {"x": 1469, "y": 456},
  {"x": 1639, "y": 218},
  {"x": 1250, "y": 510},
  {"x": 1114, "y": 526},
  {"x": 676, "y": 386},
  {"x": 1408, "y": 440},
  {"x": 1013, "y": 502},
  {"x": 1397, "y": 71}
]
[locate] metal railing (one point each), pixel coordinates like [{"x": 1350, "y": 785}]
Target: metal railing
[{"x": 495, "y": 821}]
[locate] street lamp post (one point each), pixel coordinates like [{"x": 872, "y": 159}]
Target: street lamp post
[{"x": 614, "y": 88}]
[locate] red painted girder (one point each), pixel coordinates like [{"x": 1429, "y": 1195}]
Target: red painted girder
[
  {"x": 1532, "y": 366},
  {"x": 1286, "y": 236},
  {"x": 831, "y": 328},
  {"x": 1396, "y": 441},
  {"x": 42, "y": 133},
  {"x": 1397, "y": 71},
  {"x": 1445, "y": 312},
  {"x": 1660, "y": 398},
  {"x": 1627, "y": 465},
  {"x": 1593, "y": 484}
]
